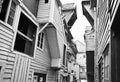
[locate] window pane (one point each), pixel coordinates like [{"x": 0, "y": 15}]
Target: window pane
[
  {"x": 11, "y": 13},
  {"x": 25, "y": 39},
  {"x": 4, "y": 9}
]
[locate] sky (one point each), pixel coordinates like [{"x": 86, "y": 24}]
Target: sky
[{"x": 80, "y": 24}]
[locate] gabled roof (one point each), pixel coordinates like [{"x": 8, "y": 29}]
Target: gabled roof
[
  {"x": 87, "y": 11},
  {"x": 70, "y": 15}
]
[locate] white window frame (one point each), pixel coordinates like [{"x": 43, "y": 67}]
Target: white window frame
[
  {"x": 43, "y": 42},
  {"x": 7, "y": 14},
  {"x": 21, "y": 9}
]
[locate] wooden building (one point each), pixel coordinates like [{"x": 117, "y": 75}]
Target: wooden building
[
  {"x": 106, "y": 25},
  {"x": 89, "y": 37},
  {"x": 32, "y": 40},
  {"x": 69, "y": 17}
]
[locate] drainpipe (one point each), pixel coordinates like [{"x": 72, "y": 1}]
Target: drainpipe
[{"x": 43, "y": 28}]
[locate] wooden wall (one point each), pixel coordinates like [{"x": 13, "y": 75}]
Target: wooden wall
[
  {"x": 103, "y": 30},
  {"x": 20, "y": 67},
  {"x": 58, "y": 23},
  {"x": 43, "y": 11}
]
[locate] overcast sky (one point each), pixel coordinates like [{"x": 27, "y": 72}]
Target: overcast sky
[{"x": 79, "y": 26}]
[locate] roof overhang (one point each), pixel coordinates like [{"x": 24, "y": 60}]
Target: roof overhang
[{"x": 88, "y": 12}]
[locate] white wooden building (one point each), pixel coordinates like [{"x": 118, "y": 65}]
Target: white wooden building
[{"x": 32, "y": 40}]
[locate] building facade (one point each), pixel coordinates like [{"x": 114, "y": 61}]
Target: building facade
[
  {"x": 69, "y": 17},
  {"x": 106, "y": 25},
  {"x": 32, "y": 40},
  {"x": 89, "y": 37},
  {"x": 81, "y": 61}
]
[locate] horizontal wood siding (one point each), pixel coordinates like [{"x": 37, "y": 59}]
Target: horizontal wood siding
[
  {"x": 6, "y": 38},
  {"x": 43, "y": 11},
  {"x": 103, "y": 28}
]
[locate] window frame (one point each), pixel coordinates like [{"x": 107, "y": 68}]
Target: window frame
[
  {"x": 5, "y": 22},
  {"x": 20, "y": 10},
  {"x": 43, "y": 42}
]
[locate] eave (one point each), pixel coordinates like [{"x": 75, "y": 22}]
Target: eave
[
  {"x": 88, "y": 12},
  {"x": 71, "y": 9}
]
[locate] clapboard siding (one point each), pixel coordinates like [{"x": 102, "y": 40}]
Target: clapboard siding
[
  {"x": 6, "y": 37},
  {"x": 43, "y": 56},
  {"x": 43, "y": 11}
]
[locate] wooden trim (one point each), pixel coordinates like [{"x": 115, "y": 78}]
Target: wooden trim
[
  {"x": 2, "y": 71},
  {"x": 8, "y": 10},
  {"x": 14, "y": 69},
  {"x": 24, "y": 36},
  {"x": 43, "y": 28},
  {"x": 15, "y": 24}
]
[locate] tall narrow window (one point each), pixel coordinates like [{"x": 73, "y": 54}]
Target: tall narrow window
[
  {"x": 11, "y": 13},
  {"x": 25, "y": 38},
  {"x": 40, "y": 40},
  {"x": 64, "y": 51}
]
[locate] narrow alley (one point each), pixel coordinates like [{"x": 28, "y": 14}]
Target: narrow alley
[{"x": 59, "y": 40}]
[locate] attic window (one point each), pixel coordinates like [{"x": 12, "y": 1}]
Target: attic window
[{"x": 46, "y": 1}]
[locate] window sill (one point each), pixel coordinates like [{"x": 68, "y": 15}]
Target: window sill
[
  {"x": 7, "y": 25},
  {"x": 23, "y": 54},
  {"x": 40, "y": 49}
]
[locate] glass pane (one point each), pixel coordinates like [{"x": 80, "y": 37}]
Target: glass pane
[{"x": 10, "y": 20}]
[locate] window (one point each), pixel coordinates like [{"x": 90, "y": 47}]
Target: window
[
  {"x": 4, "y": 8},
  {"x": 64, "y": 50},
  {"x": 40, "y": 40},
  {"x": 106, "y": 63},
  {"x": 25, "y": 38},
  {"x": 0, "y": 68},
  {"x": 46, "y": 1},
  {"x": 12, "y": 13},
  {"x": 38, "y": 77}
]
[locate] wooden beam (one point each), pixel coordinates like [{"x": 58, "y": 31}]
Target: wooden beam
[{"x": 43, "y": 28}]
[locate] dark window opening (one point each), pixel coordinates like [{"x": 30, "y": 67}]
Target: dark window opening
[
  {"x": 4, "y": 8},
  {"x": 46, "y": 1},
  {"x": 11, "y": 13},
  {"x": 25, "y": 38},
  {"x": 40, "y": 40},
  {"x": 0, "y": 68},
  {"x": 64, "y": 53},
  {"x": 38, "y": 77}
]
